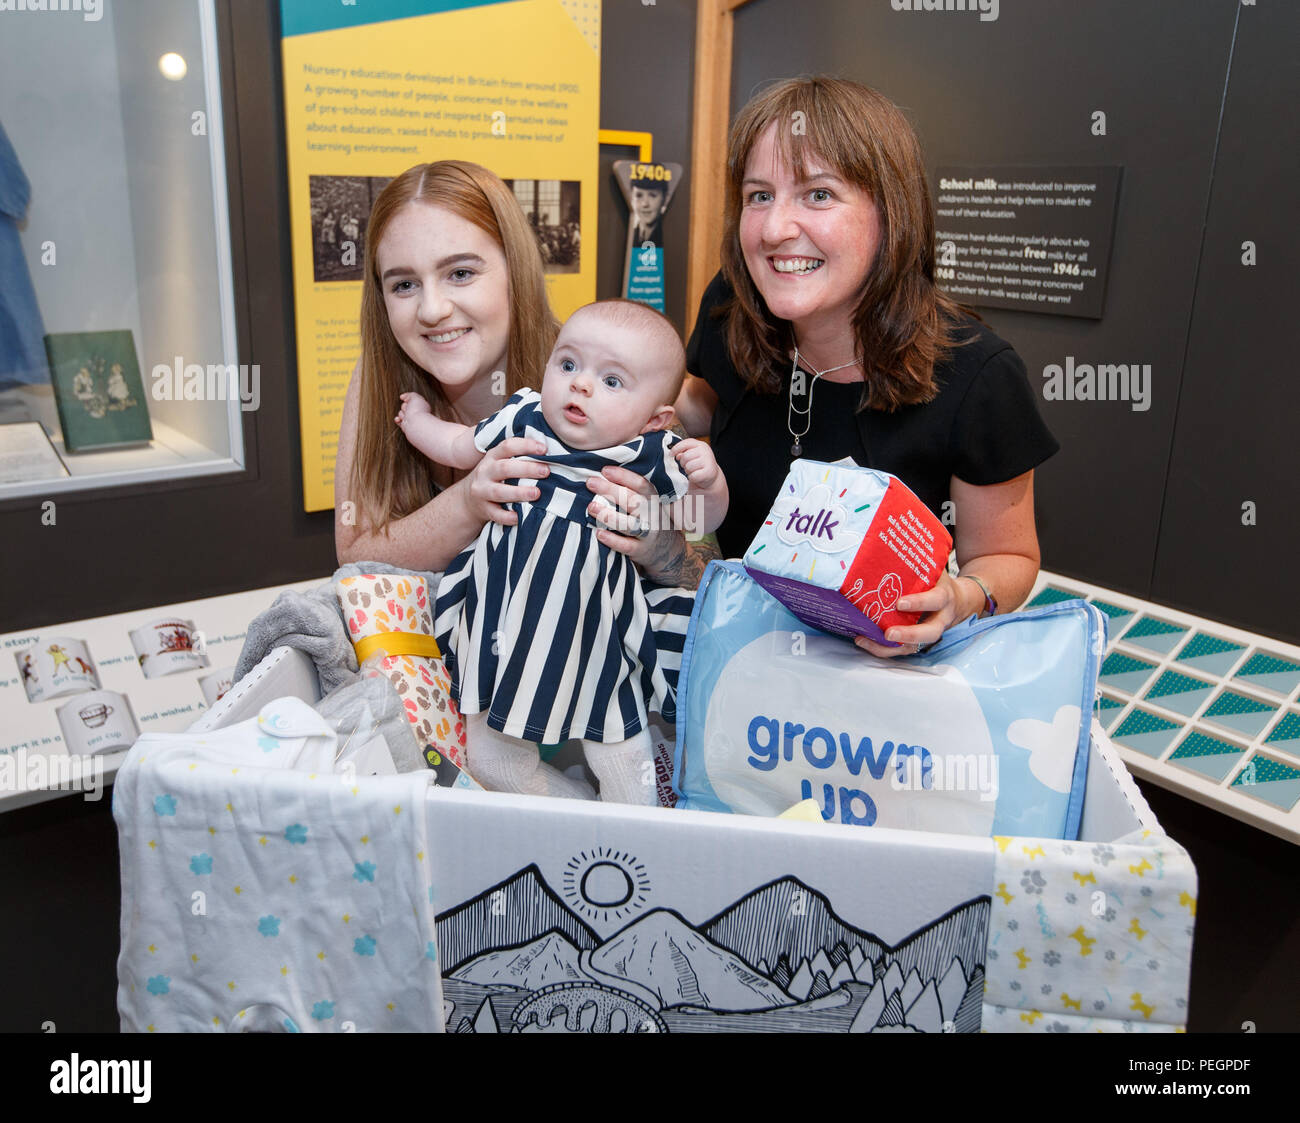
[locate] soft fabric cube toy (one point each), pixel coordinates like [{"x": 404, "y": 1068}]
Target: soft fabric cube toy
[{"x": 843, "y": 544}]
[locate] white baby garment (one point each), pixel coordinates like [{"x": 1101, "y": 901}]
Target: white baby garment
[{"x": 261, "y": 889}]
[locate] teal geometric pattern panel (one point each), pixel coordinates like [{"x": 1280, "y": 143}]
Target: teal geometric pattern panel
[
  {"x": 1240, "y": 712},
  {"x": 1152, "y": 634},
  {"x": 1270, "y": 671},
  {"x": 1198, "y": 706},
  {"x": 1050, "y": 595}
]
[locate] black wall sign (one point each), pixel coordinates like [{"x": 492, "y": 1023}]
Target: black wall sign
[{"x": 1036, "y": 239}]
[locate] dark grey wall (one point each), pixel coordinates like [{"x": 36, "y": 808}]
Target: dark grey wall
[
  {"x": 1239, "y": 411},
  {"x": 1022, "y": 90},
  {"x": 646, "y": 84}
]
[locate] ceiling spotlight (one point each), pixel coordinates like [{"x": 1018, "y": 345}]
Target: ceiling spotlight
[{"x": 173, "y": 66}]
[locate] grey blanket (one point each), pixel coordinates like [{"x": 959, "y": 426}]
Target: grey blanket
[{"x": 312, "y": 622}]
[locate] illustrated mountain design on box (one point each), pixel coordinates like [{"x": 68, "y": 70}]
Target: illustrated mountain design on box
[{"x": 518, "y": 960}]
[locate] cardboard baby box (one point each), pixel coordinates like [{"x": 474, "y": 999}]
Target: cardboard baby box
[{"x": 555, "y": 915}]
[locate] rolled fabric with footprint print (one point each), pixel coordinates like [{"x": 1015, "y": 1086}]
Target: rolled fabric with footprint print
[{"x": 391, "y": 613}]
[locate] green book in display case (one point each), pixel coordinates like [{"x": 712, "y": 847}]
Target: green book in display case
[{"x": 98, "y": 390}]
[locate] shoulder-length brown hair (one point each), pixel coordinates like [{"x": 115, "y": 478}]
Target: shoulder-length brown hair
[
  {"x": 390, "y": 477},
  {"x": 902, "y": 322}
]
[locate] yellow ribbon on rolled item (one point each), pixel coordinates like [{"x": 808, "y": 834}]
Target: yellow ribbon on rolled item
[{"x": 390, "y": 613}]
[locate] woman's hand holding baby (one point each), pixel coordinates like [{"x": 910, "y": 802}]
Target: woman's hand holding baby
[
  {"x": 485, "y": 490},
  {"x": 636, "y": 523}
]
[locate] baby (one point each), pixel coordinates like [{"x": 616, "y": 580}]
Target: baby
[{"x": 545, "y": 630}]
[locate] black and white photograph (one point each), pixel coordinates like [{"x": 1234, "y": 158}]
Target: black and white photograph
[
  {"x": 340, "y": 209},
  {"x": 554, "y": 211}
]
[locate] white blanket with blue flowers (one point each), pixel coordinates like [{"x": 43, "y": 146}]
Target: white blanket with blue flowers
[{"x": 263, "y": 890}]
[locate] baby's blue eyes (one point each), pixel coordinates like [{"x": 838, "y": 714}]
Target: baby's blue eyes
[{"x": 609, "y": 381}]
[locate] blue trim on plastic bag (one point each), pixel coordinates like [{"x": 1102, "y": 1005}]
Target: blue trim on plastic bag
[{"x": 684, "y": 675}]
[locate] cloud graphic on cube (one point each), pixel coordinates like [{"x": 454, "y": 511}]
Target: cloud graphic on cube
[
  {"x": 813, "y": 518},
  {"x": 1051, "y": 746}
]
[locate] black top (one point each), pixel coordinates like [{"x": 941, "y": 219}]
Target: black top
[{"x": 983, "y": 427}]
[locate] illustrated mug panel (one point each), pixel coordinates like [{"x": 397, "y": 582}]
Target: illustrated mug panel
[
  {"x": 215, "y": 684},
  {"x": 166, "y": 647},
  {"x": 99, "y": 722},
  {"x": 55, "y": 667}
]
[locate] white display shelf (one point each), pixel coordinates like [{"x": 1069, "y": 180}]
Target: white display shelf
[
  {"x": 170, "y": 455},
  {"x": 139, "y": 251},
  {"x": 1192, "y": 718},
  {"x": 166, "y": 704}
]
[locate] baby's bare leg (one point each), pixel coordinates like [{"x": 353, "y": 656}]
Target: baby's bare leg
[
  {"x": 625, "y": 769},
  {"x": 506, "y": 764}
]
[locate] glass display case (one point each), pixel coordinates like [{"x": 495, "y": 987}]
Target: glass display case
[{"x": 118, "y": 358}]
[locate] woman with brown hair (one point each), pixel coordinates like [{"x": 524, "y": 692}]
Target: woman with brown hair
[
  {"x": 454, "y": 308},
  {"x": 824, "y": 336}
]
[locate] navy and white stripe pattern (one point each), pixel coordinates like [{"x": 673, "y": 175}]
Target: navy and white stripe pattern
[{"x": 545, "y": 629}]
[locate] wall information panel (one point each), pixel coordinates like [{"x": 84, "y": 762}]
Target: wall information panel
[{"x": 1036, "y": 239}]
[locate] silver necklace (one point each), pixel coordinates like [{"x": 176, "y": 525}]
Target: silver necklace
[{"x": 796, "y": 449}]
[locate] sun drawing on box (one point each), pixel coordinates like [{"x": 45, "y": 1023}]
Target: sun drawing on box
[{"x": 605, "y": 883}]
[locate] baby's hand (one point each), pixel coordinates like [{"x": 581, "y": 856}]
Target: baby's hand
[
  {"x": 413, "y": 405},
  {"x": 698, "y": 462}
]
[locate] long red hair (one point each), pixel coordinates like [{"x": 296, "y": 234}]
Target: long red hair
[{"x": 390, "y": 478}]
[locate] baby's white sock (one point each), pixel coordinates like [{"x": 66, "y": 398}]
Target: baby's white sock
[
  {"x": 506, "y": 764},
  {"x": 625, "y": 769}
]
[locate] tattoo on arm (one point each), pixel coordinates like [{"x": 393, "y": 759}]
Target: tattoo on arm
[{"x": 681, "y": 564}]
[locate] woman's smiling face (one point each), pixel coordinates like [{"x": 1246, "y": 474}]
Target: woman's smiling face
[
  {"x": 809, "y": 243},
  {"x": 446, "y": 289}
]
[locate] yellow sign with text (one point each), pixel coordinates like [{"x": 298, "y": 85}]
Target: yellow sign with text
[{"x": 512, "y": 86}]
